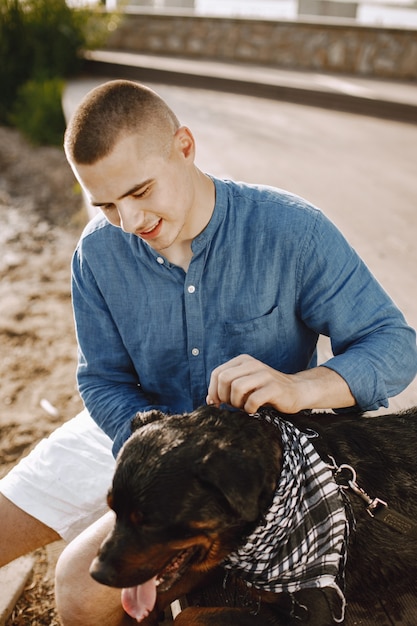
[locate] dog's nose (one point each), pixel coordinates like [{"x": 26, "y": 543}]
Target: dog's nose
[{"x": 102, "y": 573}]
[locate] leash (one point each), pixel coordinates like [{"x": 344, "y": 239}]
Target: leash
[{"x": 345, "y": 476}]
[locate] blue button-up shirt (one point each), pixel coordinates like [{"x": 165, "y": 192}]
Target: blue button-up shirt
[{"x": 269, "y": 274}]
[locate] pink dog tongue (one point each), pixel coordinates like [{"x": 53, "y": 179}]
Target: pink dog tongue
[{"x": 139, "y": 601}]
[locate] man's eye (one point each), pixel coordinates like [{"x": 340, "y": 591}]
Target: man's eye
[
  {"x": 107, "y": 207},
  {"x": 142, "y": 194}
]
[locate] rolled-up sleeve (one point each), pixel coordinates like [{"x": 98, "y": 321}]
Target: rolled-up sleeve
[{"x": 374, "y": 348}]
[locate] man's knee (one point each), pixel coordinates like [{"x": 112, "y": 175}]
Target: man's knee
[
  {"x": 79, "y": 599},
  {"x": 20, "y": 532},
  {"x": 71, "y": 591}
]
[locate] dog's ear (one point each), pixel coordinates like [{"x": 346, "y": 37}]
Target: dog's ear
[
  {"x": 240, "y": 482},
  {"x": 145, "y": 417}
]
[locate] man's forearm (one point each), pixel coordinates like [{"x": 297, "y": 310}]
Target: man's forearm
[{"x": 322, "y": 388}]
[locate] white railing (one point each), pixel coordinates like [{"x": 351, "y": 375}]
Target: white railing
[{"x": 401, "y": 13}]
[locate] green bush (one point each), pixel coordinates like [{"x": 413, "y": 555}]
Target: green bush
[
  {"x": 55, "y": 33},
  {"x": 37, "y": 111},
  {"x": 15, "y": 54},
  {"x": 41, "y": 40}
]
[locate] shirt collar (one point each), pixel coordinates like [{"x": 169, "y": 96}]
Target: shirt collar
[{"x": 219, "y": 212}]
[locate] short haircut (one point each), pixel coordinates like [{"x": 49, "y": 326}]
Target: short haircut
[{"x": 111, "y": 111}]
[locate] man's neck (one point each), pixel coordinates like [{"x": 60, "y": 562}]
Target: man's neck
[
  {"x": 180, "y": 255},
  {"x": 180, "y": 252}
]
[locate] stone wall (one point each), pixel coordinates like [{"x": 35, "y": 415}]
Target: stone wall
[{"x": 309, "y": 44}]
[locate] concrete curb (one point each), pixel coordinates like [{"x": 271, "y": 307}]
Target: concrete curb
[
  {"x": 395, "y": 100},
  {"x": 13, "y": 578}
]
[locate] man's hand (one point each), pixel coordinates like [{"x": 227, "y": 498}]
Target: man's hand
[{"x": 246, "y": 383}]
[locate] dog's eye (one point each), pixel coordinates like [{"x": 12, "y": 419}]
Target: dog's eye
[{"x": 136, "y": 517}]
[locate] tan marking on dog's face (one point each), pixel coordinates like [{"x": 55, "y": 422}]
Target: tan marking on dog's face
[{"x": 206, "y": 524}]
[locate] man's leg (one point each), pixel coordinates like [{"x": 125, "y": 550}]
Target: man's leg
[
  {"x": 81, "y": 600},
  {"x": 20, "y": 532},
  {"x": 56, "y": 491}
]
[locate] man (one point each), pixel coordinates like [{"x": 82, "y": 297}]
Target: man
[{"x": 189, "y": 289}]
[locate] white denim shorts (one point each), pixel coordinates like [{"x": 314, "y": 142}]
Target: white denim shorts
[{"x": 64, "y": 481}]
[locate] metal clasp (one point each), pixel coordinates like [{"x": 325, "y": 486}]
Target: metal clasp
[{"x": 373, "y": 504}]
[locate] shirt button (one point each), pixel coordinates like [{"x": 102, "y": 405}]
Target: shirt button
[
  {"x": 195, "y": 351},
  {"x": 160, "y": 260},
  {"x": 191, "y": 289}
]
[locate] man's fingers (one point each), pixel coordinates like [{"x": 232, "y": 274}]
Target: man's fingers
[
  {"x": 215, "y": 393},
  {"x": 234, "y": 381}
]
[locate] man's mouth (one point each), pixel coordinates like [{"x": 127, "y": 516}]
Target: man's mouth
[
  {"x": 139, "y": 601},
  {"x": 151, "y": 232}
]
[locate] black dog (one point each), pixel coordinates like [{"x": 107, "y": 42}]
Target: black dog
[{"x": 189, "y": 489}]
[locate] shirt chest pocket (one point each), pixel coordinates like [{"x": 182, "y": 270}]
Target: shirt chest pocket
[{"x": 263, "y": 337}]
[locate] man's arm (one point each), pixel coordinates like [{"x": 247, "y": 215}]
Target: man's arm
[
  {"x": 375, "y": 355},
  {"x": 107, "y": 380}
]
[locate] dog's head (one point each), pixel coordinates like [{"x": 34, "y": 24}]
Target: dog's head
[{"x": 186, "y": 491}]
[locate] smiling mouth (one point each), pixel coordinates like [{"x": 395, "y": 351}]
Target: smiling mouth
[
  {"x": 151, "y": 232},
  {"x": 175, "y": 569},
  {"x": 140, "y": 600}
]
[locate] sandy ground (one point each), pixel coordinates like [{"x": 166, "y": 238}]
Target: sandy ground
[
  {"x": 41, "y": 217},
  {"x": 40, "y": 221}
]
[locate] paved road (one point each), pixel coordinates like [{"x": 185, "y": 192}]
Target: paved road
[{"x": 359, "y": 170}]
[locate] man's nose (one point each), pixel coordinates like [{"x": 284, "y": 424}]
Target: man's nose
[{"x": 131, "y": 217}]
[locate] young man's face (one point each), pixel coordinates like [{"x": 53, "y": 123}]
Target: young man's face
[{"x": 146, "y": 190}]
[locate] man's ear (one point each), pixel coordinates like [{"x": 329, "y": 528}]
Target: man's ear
[
  {"x": 185, "y": 141},
  {"x": 145, "y": 417},
  {"x": 240, "y": 482}
]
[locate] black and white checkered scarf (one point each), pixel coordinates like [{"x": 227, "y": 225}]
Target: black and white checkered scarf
[{"x": 301, "y": 541}]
